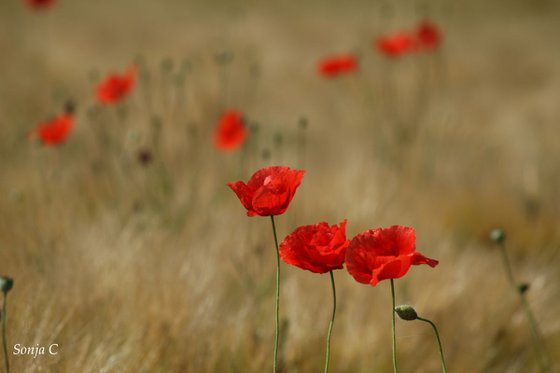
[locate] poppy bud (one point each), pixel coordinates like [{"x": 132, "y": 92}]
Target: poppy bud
[
  {"x": 303, "y": 123},
  {"x": 70, "y": 107},
  {"x": 498, "y": 235},
  {"x": 144, "y": 157},
  {"x": 254, "y": 127},
  {"x": 278, "y": 139},
  {"x": 406, "y": 312},
  {"x": 522, "y": 288},
  {"x": 180, "y": 79},
  {"x": 265, "y": 154},
  {"x": 6, "y": 284},
  {"x": 145, "y": 76},
  {"x": 156, "y": 122},
  {"x": 166, "y": 65}
]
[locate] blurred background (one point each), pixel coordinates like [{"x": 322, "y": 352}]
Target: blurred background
[{"x": 129, "y": 251}]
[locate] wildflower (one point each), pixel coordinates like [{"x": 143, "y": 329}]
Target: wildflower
[
  {"x": 318, "y": 248},
  {"x": 116, "y": 87},
  {"x": 231, "y": 131},
  {"x": 395, "y": 45},
  {"x": 40, "y": 4},
  {"x": 334, "y": 66},
  {"x": 428, "y": 36},
  {"x": 56, "y": 131},
  {"x": 383, "y": 253},
  {"x": 269, "y": 191}
]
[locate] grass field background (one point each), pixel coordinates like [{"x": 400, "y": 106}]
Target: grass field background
[{"x": 156, "y": 268}]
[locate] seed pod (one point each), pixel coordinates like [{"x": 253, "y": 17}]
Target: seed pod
[{"x": 6, "y": 284}]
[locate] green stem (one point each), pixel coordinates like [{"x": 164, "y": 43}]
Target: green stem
[
  {"x": 395, "y": 369},
  {"x": 328, "y": 357},
  {"x": 442, "y": 358},
  {"x": 4, "y": 339},
  {"x": 538, "y": 343},
  {"x": 537, "y": 336},
  {"x": 277, "y": 331},
  {"x": 507, "y": 265}
]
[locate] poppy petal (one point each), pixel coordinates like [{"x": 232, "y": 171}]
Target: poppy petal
[
  {"x": 269, "y": 191},
  {"x": 244, "y": 194},
  {"x": 383, "y": 253},
  {"x": 317, "y": 248},
  {"x": 418, "y": 259},
  {"x": 391, "y": 269}
]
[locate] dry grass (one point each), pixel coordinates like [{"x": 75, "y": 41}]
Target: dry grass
[{"x": 156, "y": 269}]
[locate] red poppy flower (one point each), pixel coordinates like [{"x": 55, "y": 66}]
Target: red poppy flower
[
  {"x": 39, "y": 4},
  {"x": 269, "y": 191},
  {"x": 317, "y": 248},
  {"x": 428, "y": 35},
  {"x": 116, "y": 87},
  {"x": 383, "y": 253},
  {"x": 396, "y": 44},
  {"x": 335, "y": 66},
  {"x": 230, "y": 132},
  {"x": 56, "y": 131}
]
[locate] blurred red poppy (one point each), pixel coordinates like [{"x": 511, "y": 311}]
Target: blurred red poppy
[
  {"x": 39, "y": 4},
  {"x": 383, "y": 253},
  {"x": 396, "y": 45},
  {"x": 428, "y": 35},
  {"x": 230, "y": 132},
  {"x": 269, "y": 191},
  {"x": 335, "y": 66},
  {"x": 116, "y": 87},
  {"x": 56, "y": 131},
  {"x": 317, "y": 248}
]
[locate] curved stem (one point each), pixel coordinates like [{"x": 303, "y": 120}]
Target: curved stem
[
  {"x": 507, "y": 265},
  {"x": 538, "y": 343},
  {"x": 395, "y": 369},
  {"x": 442, "y": 358},
  {"x": 537, "y": 336},
  {"x": 4, "y": 339},
  {"x": 277, "y": 331},
  {"x": 328, "y": 357}
]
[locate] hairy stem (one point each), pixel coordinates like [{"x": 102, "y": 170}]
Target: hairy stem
[
  {"x": 277, "y": 331},
  {"x": 395, "y": 369},
  {"x": 538, "y": 343},
  {"x": 328, "y": 357},
  {"x": 4, "y": 339},
  {"x": 442, "y": 358}
]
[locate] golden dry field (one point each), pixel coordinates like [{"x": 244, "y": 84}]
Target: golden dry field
[{"x": 129, "y": 252}]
